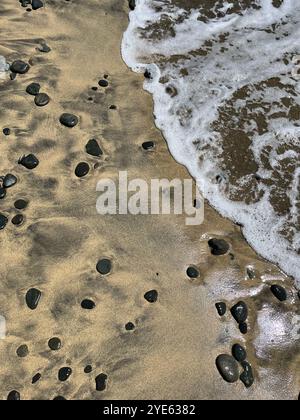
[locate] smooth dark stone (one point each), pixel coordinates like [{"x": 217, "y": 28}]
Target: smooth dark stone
[
  {"x": 33, "y": 89},
  {"x": 239, "y": 353},
  {"x": 13, "y": 76},
  {"x": 151, "y": 296},
  {"x": 104, "y": 266},
  {"x": 14, "y": 396},
  {"x": 59, "y": 398},
  {"x": 6, "y": 131},
  {"x": 279, "y": 292},
  {"x": 147, "y": 74},
  {"x": 243, "y": 328},
  {"x": 88, "y": 369},
  {"x": 64, "y": 374},
  {"x": 9, "y": 181},
  {"x": 25, "y": 3},
  {"x": 82, "y": 169},
  {"x": 37, "y": 4},
  {"x": 240, "y": 312},
  {"x": 17, "y": 220},
  {"x": 192, "y": 272},
  {"x": 69, "y": 120},
  {"x": 54, "y": 343},
  {"x": 218, "y": 246},
  {"x": 88, "y": 304},
  {"x": 29, "y": 161},
  {"x": 221, "y": 308},
  {"x": 129, "y": 326},
  {"x": 32, "y": 298},
  {"x": 92, "y": 148},
  {"x": 103, "y": 83},
  {"x": 42, "y": 99},
  {"x": 22, "y": 351},
  {"x": 36, "y": 378},
  {"x": 148, "y": 145},
  {"x": 2, "y": 193},
  {"x": 19, "y": 67},
  {"x": 21, "y": 204},
  {"x": 3, "y": 221},
  {"x": 228, "y": 368},
  {"x": 113, "y": 107},
  {"x": 131, "y": 4},
  {"x": 44, "y": 48},
  {"x": 101, "y": 382},
  {"x": 247, "y": 376}
]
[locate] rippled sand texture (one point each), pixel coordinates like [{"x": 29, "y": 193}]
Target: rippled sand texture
[{"x": 171, "y": 353}]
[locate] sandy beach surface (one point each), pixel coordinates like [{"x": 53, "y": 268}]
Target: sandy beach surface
[{"x": 171, "y": 351}]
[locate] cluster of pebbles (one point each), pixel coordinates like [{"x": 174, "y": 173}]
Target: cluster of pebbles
[{"x": 31, "y": 4}]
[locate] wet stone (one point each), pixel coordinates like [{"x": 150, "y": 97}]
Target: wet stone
[
  {"x": 14, "y": 396},
  {"x": 221, "y": 308},
  {"x": 64, "y": 374},
  {"x": 82, "y": 169},
  {"x": 88, "y": 369},
  {"x": 247, "y": 376},
  {"x": 36, "y": 378},
  {"x": 3, "y": 221},
  {"x": 151, "y": 296},
  {"x": 44, "y": 48},
  {"x": 279, "y": 292},
  {"x": 54, "y": 344},
  {"x": 2, "y": 193},
  {"x": 9, "y": 181},
  {"x": 103, "y": 83},
  {"x": 240, "y": 312},
  {"x": 42, "y": 99},
  {"x": 33, "y": 89},
  {"x": 228, "y": 368},
  {"x": 59, "y": 398},
  {"x": 243, "y": 327},
  {"x": 37, "y": 4},
  {"x": 19, "y": 67},
  {"x": 22, "y": 351},
  {"x": 101, "y": 382},
  {"x": 129, "y": 326},
  {"x": 92, "y": 148},
  {"x": 131, "y": 4},
  {"x": 21, "y": 204},
  {"x": 148, "y": 145},
  {"x": 239, "y": 353},
  {"x": 88, "y": 304},
  {"x": 69, "y": 120},
  {"x": 218, "y": 246},
  {"x": 6, "y": 131},
  {"x": 32, "y": 298},
  {"x": 192, "y": 272},
  {"x": 29, "y": 161},
  {"x": 104, "y": 266},
  {"x": 17, "y": 220}
]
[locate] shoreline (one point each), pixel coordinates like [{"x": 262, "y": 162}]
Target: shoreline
[{"x": 171, "y": 352}]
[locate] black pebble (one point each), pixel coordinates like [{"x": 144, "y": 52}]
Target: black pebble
[
  {"x": 103, "y": 83},
  {"x": 221, "y": 308},
  {"x": 17, "y": 220},
  {"x": 92, "y": 148},
  {"x": 88, "y": 369},
  {"x": 151, "y": 296},
  {"x": 6, "y": 131},
  {"x": 228, "y": 368},
  {"x": 88, "y": 304},
  {"x": 19, "y": 67},
  {"x": 59, "y": 398},
  {"x": 37, "y": 4},
  {"x": 22, "y": 351},
  {"x": 54, "y": 344},
  {"x": 32, "y": 298},
  {"x": 131, "y": 4},
  {"x": 101, "y": 382},
  {"x": 41, "y": 99},
  {"x": 64, "y": 374},
  {"x": 247, "y": 376},
  {"x": 14, "y": 396},
  {"x": 82, "y": 169},
  {"x": 240, "y": 312},
  {"x": 129, "y": 326},
  {"x": 147, "y": 74},
  {"x": 69, "y": 120},
  {"x": 218, "y": 246},
  {"x": 239, "y": 353},
  {"x": 44, "y": 48},
  {"x": 9, "y": 181},
  {"x": 104, "y": 266},
  {"x": 279, "y": 292},
  {"x": 25, "y": 3},
  {"x": 2, "y": 193},
  {"x": 33, "y": 89},
  {"x": 243, "y": 328},
  {"x": 29, "y": 161},
  {"x": 3, "y": 221},
  {"x": 21, "y": 204},
  {"x": 36, "y": 378},
  {"x": 148, "y": 145},
  {"x": 192, "y": 272}
]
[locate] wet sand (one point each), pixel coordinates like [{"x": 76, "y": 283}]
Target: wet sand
[{"x": 171, "y": 352}]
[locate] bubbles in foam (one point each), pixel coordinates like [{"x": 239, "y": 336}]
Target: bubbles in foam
[{"x": 3, "y": 67}]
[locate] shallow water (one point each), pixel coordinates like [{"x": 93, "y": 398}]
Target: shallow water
[{"x": 225, "y": 83}]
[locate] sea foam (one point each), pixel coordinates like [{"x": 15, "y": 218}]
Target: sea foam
[{"x": 225, "y": 84}]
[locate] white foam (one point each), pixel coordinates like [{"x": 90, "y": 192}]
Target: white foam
[
  {"x": 3, "y": 67},
  {"x": 248, "y": 56}
]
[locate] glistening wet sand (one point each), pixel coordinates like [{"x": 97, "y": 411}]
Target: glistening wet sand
[{"x": 134, "y": 348}]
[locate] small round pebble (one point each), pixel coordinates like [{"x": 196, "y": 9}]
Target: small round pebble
[
  {"x": 44, "y": 48},
  {"x": 21, "y": 204},
  {"x": 36, "y": 378},
  {"x": 218, "y": 246},
  {"x": 279, "y": 292},
  {"x": 103, "y": 83},
  {"x": 29, "y": 161},
  {"x": 33, "y": 89},
  {"x": 42, "y": 99},
  {"x": 104, "y": 266},
  {"x": 88, "y": 304},
  {"x": 3, "y": 221},
  {"x": 23, "y": 351},
  {"x": 92, "y": 148},
  {"x": 192, "y": 272},
  {"x": 240, "y": 312},
  {"x": 54, "y": 344},
  {"x": 228, "y": 368},
  {"x": 9, "y": 181},
  {"x": 221, "y": 308},
  {"x": 6, "y": 131},
  {"x": 19, "y": 67},
  {"x": 2, "y": 193},
  {"x": 243, "y": 328},
  {"x": 101, "y": 382},
  {"x": 82, "y": 169},
  {"x": 88, "y": 369},
  {"x": 151, "y": 296},
  {"x": 129, "y": 326},
  {"x": 247, "y": 376},
  {"x": 148, "y": 145},
  {"x": 14, "y": 396},
  {"x": 69, "y": 120},
  {"x": 239, "y": 353},
  {"x": 32, "y": 298},
  {"x": 64, "y": 374},
  {"x": 37, "y": 4},
  {"x": 17, "y": 220}
]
